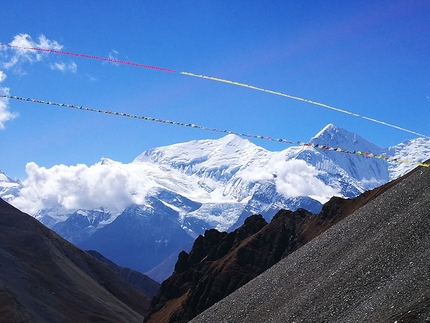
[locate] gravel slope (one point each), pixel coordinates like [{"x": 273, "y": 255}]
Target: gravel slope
[{"x": 374, "y": 266}]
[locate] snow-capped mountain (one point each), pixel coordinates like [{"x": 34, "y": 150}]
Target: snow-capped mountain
[
  {"x": 9, "y": 188},
  {"x": 415, "y": 150},
  {"x": 141, "y": 213}
]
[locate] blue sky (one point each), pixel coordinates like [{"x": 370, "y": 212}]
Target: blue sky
[{"x": 368, "y": 57}]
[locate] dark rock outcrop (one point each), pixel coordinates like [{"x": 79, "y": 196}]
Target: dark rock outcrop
[
  {"x": 44, "y": 278},
  {"x": 209, "y": 255}
]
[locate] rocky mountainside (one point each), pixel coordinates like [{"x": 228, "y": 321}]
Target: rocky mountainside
[
  {"x": 220, "y": 262},
  {"x": 44, "y": 278},
  {"x": 370, "y": 267}
]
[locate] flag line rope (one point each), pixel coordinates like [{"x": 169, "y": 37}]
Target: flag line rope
[
  {"x": 106, "y": 59},
  {"x": 303, "y": 100},
  {"x": 218, "y": 80},
  {"x": 301, "y": 143}
]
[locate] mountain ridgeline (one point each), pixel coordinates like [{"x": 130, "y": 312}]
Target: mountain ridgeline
[{"x": 175, "y": 193}]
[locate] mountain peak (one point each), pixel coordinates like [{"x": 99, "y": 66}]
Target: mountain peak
[
  {"x": 108, "y": 161},
  {"x": 230, "y": 145},
  {"x": 332, "y": 132},
  {"x": 337, "y": 137},
  {"x": 8, "y": 186},
  {"x": 232, "y": 139},
  {"x": 4, "y": 177}
]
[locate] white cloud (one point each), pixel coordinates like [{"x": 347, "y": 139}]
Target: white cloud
[
  {"x": 63, "y": 67},
  {"x": 2, "y": 76},
  {"x": 92, "y": 78},
  {"x": 113, "y": 54},
  {"x": 19, "y": 52},
  {"x": 250, "y": 175},
  {"x": 115, "y": 186},
  {"x": 293, "y": 178},
  {"x": 21, "y": 45},
  {"x": 297, "y": 178},
  {"x": 5, "y": 114},
  {"x": 68, "y": 188}
]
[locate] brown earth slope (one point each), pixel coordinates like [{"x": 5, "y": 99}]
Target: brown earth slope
[
  {"x": 373, "y": 266},
  {"x": 44, "y": 278},
  {"x": 219, "y": 263}
]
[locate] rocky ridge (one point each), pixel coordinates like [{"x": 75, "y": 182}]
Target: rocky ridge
[
  {"x": 219, "y": 263},
  {"x": 370, "y": 267}
]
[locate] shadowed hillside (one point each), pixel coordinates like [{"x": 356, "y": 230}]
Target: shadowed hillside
[
  {"x": 140, "y": 281},
  {"x": 44, "y": 278}
]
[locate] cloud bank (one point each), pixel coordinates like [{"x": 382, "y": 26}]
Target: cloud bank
[
  {"x": 115, "y": 186},
  {"x": 297, "y": 178},
  {"x": 68, "y": 188},
  {"x": 293, "y": 178}
]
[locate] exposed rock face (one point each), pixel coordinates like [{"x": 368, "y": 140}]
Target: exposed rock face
[
  {"x": 220, "y": 262},
  {"x": 205, "y": 275},
  {"x": 44, "y": 278}
]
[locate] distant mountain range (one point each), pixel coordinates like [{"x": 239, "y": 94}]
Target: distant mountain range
[
  {"x": 357, "y": 254},
  {"x": 169, "y": 195}
]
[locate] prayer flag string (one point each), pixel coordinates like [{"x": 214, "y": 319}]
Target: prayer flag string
[
  {"x": 106, "y": 59},
  {"x": 218, "y": 80},
  {"x": 303, "y": 100},
  {"x": 191, "y": 125}
]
